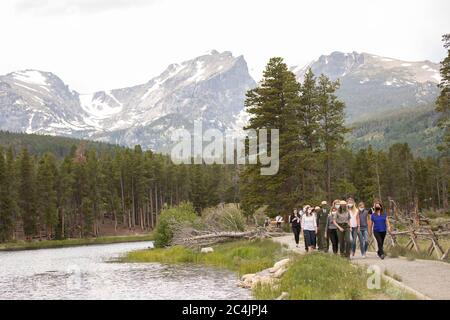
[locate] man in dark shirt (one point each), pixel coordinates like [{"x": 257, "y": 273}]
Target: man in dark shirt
[{"x": 322, "y": 218}]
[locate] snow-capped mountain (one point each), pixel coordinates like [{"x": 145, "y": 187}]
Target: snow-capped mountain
[
  {"x": 36, "y": 101},
  {"x": 210, "y": 88},
  {"x": 374, "y": 84}
]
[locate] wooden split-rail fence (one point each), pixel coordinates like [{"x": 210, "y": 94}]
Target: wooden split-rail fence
[
  {"x": 434, "y": 247},
  {"x": 416, "y": 234}
]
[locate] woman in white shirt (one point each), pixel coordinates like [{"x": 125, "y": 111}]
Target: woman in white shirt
[
  {"x": 354, "y": 223},
  {"x": 279, "y": 220},
  {"x": 309, "y": 227}
]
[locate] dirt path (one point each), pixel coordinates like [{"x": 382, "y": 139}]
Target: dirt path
[{"x": 431, "y": 278}]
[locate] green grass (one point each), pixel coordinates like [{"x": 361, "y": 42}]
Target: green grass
[
  {"x": 45, "y": 244},
  {"x": 241, "y": 256},
  {"x": 400, "y": 251},
  {"x": 319, "y": 276}
]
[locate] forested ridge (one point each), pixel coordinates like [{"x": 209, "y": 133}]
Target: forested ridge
[
  {"x": 417, "y": 126},
  {"x": 39, "y": 144}
]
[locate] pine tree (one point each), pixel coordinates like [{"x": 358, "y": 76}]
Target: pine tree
[
  {"x": 443, "y": 107},
  {"x": 138, "y": 186},
  {"x": 273, "y": 105},
  {"x": 65, "y": 198},
  {"x": 6, "y": 201},
  {"x": 26, "y": 194},
  {"x": 331, "y": 119},
  {"x": 198, "y": 188},
  {"x": 110, "y": 200},
  {"x": 310, "y": 164},
  {"x": 91, "y": 203},
  {"x": 309, "y": 112},
  {"x": 11, "y": 176},
  {"x": 46, "y": 194},
  {"x": 365, "y": 175},
  {"x": 443, "y": 101},
  {"x": 401, "y": 174}
]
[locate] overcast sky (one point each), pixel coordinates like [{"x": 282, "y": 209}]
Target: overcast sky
[{"x": 103, "y": 44}]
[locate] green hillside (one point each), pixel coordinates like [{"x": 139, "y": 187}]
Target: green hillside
[
  {"x": 415, "y": 126},
  {"x": 39, "y": 144}
]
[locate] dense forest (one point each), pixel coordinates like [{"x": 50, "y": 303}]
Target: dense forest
[
  {"x": 38, "y": 144},
  {"x": 41, "y": 196},
  {"x": 418, "y": 126},
  {"x": 59, "y": 187}
]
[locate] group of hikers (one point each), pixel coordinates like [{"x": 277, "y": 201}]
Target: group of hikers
[{"x": 342, "y": 224}]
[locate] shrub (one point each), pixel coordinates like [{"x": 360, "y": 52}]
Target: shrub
[
  {"x": 228, "y": 217},
  {"x": 180, "y": 216},
  {"x": 260, "y": 215}
]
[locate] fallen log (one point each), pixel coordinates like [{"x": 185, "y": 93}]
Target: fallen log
[{"x": 217, "y": 237}]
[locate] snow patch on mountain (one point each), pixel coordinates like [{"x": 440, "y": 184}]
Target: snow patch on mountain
[
  {"x": 97, "y": 108},
  {"x": 200, "y": 70},
  {"x": 31, "y": 76}
]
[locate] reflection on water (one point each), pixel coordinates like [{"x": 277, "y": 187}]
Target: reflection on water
[{"x": 86, "y": 273}]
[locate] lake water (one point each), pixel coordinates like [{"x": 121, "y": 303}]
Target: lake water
[{"x": 87, "y": 272}]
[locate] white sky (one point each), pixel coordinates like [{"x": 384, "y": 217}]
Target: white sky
[{"x": 104, "y": 44}]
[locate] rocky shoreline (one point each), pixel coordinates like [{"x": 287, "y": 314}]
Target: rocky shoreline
[{"x": 269, "y": 276}]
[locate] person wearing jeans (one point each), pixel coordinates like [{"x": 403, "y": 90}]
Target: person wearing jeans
[
  {"x": 363, "y": 233},
  {"x": 354, "y": 223},
  {"x": 342, "y": 223},
  {"x": 379, "y": 226},
  {"x": 309, "y": 226}
]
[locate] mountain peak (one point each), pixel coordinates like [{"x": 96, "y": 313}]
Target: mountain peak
[
  {"x": 337, "y": 65},
  {"x": 370, "y": 82},
  {"x": 30, "y": 76}
]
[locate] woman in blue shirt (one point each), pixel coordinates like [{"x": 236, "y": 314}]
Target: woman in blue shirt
[{"x": 380, "y": 224}]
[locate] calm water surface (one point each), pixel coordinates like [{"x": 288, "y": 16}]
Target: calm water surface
[{"x": 87, "y": 272}]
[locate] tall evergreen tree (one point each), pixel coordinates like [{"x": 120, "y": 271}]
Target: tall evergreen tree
[
  {"x": 46, "y": 194},
  {"x": 27, "y": 194},
  {"x": 273, "y": 105},
  {"x": 331, "y": 120},
  {"x": 6, "y": 201},
  {"x": 443, "y": 107},
  {"x": 310, "y": 159},
  {"x": 443, "y": 101},
  {"x": 65, "y": 198}
]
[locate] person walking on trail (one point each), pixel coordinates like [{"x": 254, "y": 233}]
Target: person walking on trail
[
  {"x": 363, "y": 233},
  {"x": 331, "y": 228},
  {"x": 379, "y": 226},
  {"x": 342, "y": 222},
  {"x": 279, "y": 220},
  {"x": 354, "y": 224},
  {"x": 302, "y": 213},
  {"x": 295, "y": 221},
  {"x": 309, "y": 226},
  {"x": 322, "y": 218}
]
